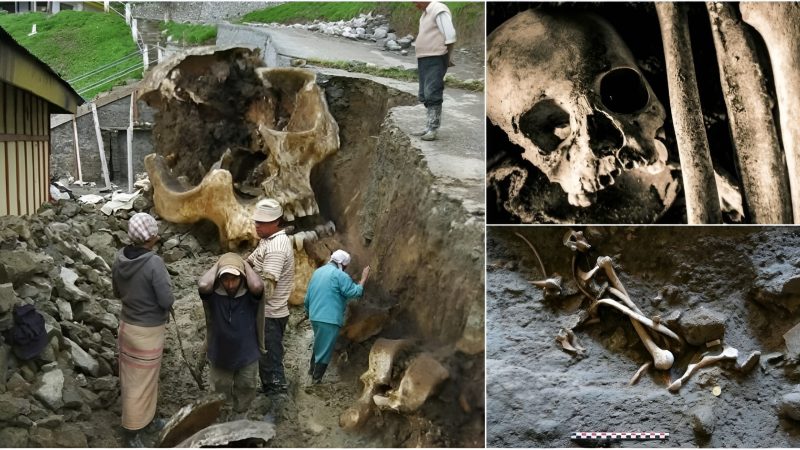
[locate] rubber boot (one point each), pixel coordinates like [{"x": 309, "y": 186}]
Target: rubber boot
[
  {"x": 311, "y": 367},
  {"x": 319, "y": 371},
  {"x": 133, "y": 438},
  {"x": 427, "y": 129},
  {"x": 434, "y": 119}
]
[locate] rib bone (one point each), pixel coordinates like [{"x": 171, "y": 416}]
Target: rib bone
[
  {"x": 727, "y": 353},
  {"x": 779, "y": 25},
  {"x": 702, "y": 200}
]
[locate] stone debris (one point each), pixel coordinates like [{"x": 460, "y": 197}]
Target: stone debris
[
  {"x": 701, "y": 325},
  {"x": 365, "y": 27},
  {"x": 60, "y": 260}
]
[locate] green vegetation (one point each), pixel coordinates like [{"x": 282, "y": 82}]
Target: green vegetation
[
  {"x": 404, "y": 15},
  {"x": 397, "y": 73},
  {"x": 74, "y": 43},
  {"x": 187, "y": 33}
]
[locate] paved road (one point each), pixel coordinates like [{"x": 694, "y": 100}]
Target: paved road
[{"x": 456, "y": 158}]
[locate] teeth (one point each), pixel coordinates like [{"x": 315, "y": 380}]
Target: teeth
[
  {"x": 298, "y": 240},
  {"x": 581, "y": 200},
  {"x": 330, "y": 228},
  {"x": 287, "y": 214}
]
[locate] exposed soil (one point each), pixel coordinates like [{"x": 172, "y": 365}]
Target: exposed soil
[
  {"x": 539, "y": 393},
  {"x": 375, "y": 177}
]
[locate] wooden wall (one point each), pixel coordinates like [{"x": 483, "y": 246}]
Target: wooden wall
[{"x": 24, "y": 151}]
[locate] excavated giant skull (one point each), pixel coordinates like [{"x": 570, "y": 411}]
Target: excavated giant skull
[
  {"x": 566, "y": 89},
  {"x": 230, "y": 132}
]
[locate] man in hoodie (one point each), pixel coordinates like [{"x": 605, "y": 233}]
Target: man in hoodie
[
  {"x": 434, "y": 51},
  {"x": 140, "y": 279},
  {"x": 328, "y": 291},
  {"x": 231, "y": 292}
]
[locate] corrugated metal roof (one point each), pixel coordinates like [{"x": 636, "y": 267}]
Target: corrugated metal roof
[{"x": 21, "y": 68}]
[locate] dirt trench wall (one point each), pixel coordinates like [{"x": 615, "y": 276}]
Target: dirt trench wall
[
  {"x": 745, "y": 276},
  {"x": 426, "y": 251}
]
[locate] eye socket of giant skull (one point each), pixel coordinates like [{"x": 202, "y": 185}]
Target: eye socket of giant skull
[
  {"x": 623, "y": 91},
  {"x": 546, "y": 125}
]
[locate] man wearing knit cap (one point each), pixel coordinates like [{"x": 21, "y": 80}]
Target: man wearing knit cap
[
  {"x": 231, "y": 291},
  {"x": 273, "y": 259},
  {"x": 434, "y": 49},
  {"x": 328, "y": 291},
  {"x": 140, "y": 279}
]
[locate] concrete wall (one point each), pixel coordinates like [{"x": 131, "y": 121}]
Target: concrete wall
[
  {"x": 113, "y": 119},
  {"x": 195, "y": 11},
  {"x": 243, "y": 36}
]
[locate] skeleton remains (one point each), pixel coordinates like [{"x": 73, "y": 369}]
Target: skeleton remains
[
  {"x": 563, "y": 86},
  {"x": 420, "y": 380},
  {"x": 662, "y": 358},
  {"x": 252, "y": 132}
]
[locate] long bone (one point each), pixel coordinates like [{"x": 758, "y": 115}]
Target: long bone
[
  {"x": 702, "y": 200},
  {"x": 778, "y": 23},
  {"x": 662, "y": 358},
  {"x": 757, "y": 147},
  {"x": 727, "y": 353}
]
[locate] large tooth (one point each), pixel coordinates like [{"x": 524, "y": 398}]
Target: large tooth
[
  {"x": 298, "y": 240},
  {"x": 298, "y": 210},
  {"x": 311, "y": 236},
  {"x": 287, "y": 215}
]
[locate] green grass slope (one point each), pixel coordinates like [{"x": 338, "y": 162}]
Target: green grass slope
[{"x": 74, "y": 43}]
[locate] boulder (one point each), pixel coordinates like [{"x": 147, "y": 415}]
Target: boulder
[
  {"x": 93, "y": 259},
  {"x": 404, "y": 42},
  {"x": 20, "y": 265},
  {"x": 52, "y": 421},
  {"x": 42, "y": 437},
  {"x": 71, "y": 436},
  {"x": 380, "y": 33},
  {"x": 103, "y": 244},
  {"x": 790, "y": 405},
  {"x": 14, "y": 437},
  {"x": 69, "y": 208},
  {"x": 703, "y": 420},
  {"x": 701, "y": 325},
  {"x": 64, "y": 309},
  {"x": 393, "y": 45},
  {"x": 5, "y": 350},
  {"x": 11, "y": 407},
  {"x": 83, "y": 361},
  {"x": 17, "y": 384},
  {"x": 8, "y": 298},
  {"x": 67, "y": 289},
  {"x": 51, "y": 389}
]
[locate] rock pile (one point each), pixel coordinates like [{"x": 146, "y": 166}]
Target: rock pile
[
  {"x": 60, "y": 261},
  {"x": 365, "y": 27}
]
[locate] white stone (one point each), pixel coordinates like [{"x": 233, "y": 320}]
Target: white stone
[
  {"x": 83, "y": 360},
  {"x": 64, "y": 309},
  {"x": 52, "y": 389}
]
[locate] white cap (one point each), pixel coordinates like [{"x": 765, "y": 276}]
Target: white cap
[
  {"x": 267, "y": 210},
  {"x": 341, "y": 258},
  {"x": 230, "y": 270}
]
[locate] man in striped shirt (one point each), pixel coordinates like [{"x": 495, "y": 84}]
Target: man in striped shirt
[{"x": 273, "y": 259}]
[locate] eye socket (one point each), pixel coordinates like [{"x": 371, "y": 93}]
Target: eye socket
[
  {"x": 623, "y": 91},
  {"x": 546, "y": 125}
]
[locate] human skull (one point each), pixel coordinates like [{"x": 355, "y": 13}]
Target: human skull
[
  {"x": 230, "y": 132},
  {"x": 566, "y": 89}
]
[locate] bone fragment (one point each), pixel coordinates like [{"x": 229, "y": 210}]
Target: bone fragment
[
  {"x": 702, "y": 202},
  {"x": 569, "y": 342},
  {"x": 212, "y": 199},
  {"x": 638, "y": 374},
  {"x": 381, "y": 358},
  {"x": 535, "y": 253},
  {"x": 758, "y": 149},
  {"x": 727, "y": 353},
  {"x": 779, "y": 25},
  {"x": 418, "y": 384},
  {"x": 749, "y": 363},
  {"x": 713, "y": 343},
  {"x": 640, "y": 318}
]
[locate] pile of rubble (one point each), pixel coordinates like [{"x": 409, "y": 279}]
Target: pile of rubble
[
  {"x": 59, "y": 261},
  {"x": 365, "y": 27}
]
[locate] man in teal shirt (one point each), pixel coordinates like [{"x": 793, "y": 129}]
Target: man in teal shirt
[{"x": 326, "y": 299}]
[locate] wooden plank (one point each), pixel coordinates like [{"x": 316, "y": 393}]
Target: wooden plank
[
  {"x": 103, "y": 164},
  {"x": 11, "y": 177},
  {"x": 30, "y": 176},
  {"x": 77, "y": 147},
  {"x": 19, "y": 107},
  {"x": 130, "y": 143},
  {"x": 4, "y": 199},
  {"x": 3, "y": 107},
  {"x": 22, "y": 137},
  {"x": 11, "y": 105}
]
